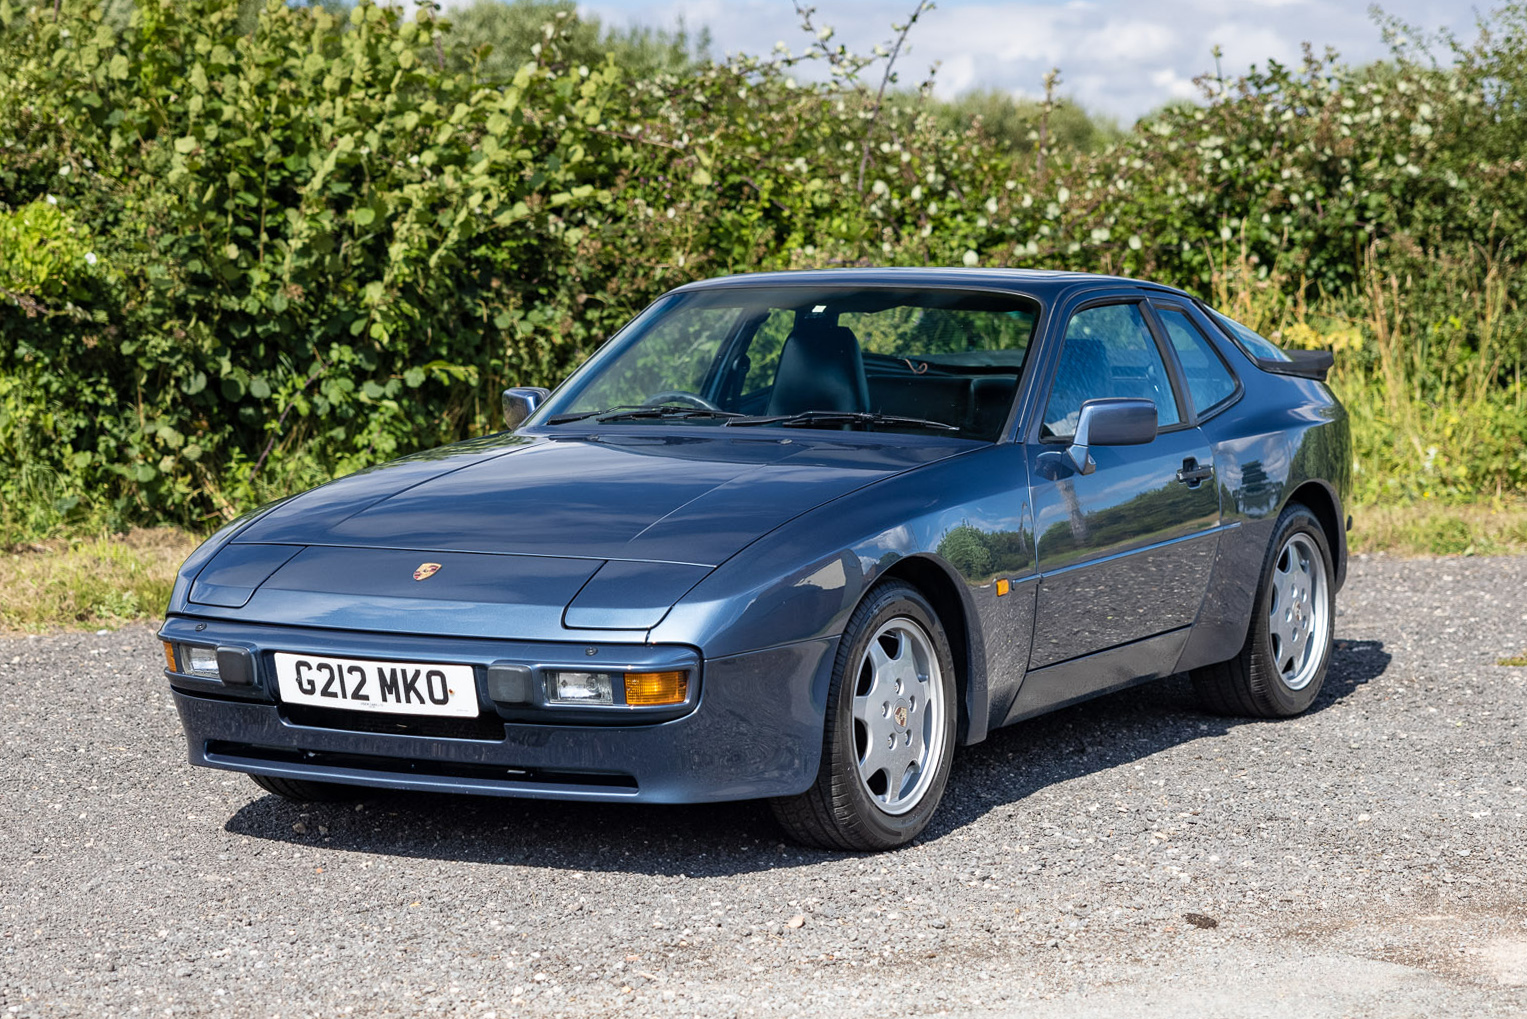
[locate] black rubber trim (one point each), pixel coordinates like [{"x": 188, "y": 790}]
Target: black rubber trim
[
  {"x": 479, "y": 727},
  {"x": 233, "y": 753},
  {"x": 1306, "y": 364}
]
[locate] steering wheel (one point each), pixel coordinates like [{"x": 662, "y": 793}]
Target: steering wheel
[{"x": 675, "y": 396}]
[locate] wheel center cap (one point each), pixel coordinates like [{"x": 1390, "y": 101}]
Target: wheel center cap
[{"x": 899, "y": 714}]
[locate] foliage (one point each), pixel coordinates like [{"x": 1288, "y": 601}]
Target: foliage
[
  {"x": 1011, "y": 124},
  {"x": 296, "y": 219},
  {"x": 1428, "y": 527},
  {"x": 239, "y": 258},
  {"x": 95, "y": 581},
  {"x": 500, "y": 37}
]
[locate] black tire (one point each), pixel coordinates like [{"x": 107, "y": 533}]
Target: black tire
[
  {"x": 838, "y": 811},
  {"x": 1250, "y": 684},
  {"x": 300, "y": 790}
]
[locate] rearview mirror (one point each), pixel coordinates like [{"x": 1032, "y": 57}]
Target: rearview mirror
[
  {"x": 520, "y": 403},
  {"x": 1111, "y": 422}
]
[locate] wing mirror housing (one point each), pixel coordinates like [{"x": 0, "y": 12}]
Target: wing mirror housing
[
  {"x": 1111, "y": 422},
  {"x": 520, "y": 402}
]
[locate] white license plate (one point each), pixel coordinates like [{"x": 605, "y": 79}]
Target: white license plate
[{"x": 396, "y": 688}]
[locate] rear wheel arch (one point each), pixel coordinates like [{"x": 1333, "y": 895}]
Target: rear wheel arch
[
  {"x": 1318, "y": 498},
  {"x": 935, "y": 583}
]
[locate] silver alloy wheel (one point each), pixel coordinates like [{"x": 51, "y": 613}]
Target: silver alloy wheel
[
  {"x": 898, "y": 715},
  {"x": 1299, "y": 624}
]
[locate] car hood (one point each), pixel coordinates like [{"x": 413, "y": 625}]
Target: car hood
[
  {"x": 532, "y": 537},
  {"x": 654, "y": 498}
]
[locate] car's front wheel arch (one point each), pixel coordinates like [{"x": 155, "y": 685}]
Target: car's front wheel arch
[{"x": 935, "y": 583}]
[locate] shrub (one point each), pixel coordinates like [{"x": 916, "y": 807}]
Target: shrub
[{"x": 238, "y": 259}]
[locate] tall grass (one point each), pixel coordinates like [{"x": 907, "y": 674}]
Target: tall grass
[
  {"x": 104, "y": 581},
  {"x": 1425, "y": 363}
]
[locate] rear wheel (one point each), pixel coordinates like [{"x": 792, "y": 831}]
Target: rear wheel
[
  {"x": 300, "y": 790},
  {"x": 890, "y": 729},
  {"x": 1281, "y": 668}
]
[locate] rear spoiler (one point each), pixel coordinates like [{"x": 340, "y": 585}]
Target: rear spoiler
[{"x": 1306, "y": 364}]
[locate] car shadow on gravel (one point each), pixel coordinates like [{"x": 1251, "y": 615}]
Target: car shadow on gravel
[
  {"x": 735, "y": 838},
  {"x": 1118, "y": 729}
]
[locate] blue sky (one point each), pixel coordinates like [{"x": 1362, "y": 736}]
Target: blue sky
[{"x": 1117, "y": 57}]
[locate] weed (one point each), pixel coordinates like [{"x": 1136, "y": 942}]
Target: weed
[{"x": 104, "y": 581}]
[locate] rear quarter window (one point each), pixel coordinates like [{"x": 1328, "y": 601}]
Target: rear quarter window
[
  {"x": 1209, "y": 381},
  {"x": 1249, "y": 340}
]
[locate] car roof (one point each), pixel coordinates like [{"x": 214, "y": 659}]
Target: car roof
[{"x": 1045, "y": 284}]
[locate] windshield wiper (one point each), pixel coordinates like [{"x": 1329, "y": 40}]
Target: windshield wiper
[
  {"x": 641, "y": 412},
  {"x": 667, "y": 410},
  {"x": 868, "y": 419}
]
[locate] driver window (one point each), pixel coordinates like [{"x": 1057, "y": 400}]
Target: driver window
[{"x": 1109, "y": 352}]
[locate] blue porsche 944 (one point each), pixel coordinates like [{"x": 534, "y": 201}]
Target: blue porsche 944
[{"x": 790, "y": 537}]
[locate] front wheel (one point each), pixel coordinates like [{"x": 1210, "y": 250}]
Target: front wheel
[
  {"x": 890, "y": 730},
  {"x": 1281, "y": 668}
]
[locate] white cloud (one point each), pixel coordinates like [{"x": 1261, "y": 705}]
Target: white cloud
[{"x": 1116, "y": 56}]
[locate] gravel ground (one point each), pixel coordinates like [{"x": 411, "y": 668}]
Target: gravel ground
[{"x": 1124, "y": 857}]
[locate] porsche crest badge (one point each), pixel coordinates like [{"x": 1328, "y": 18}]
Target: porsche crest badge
[{"x": 426, "y": 571}]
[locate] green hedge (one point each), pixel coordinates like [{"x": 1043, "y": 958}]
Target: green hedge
[{"x": 233, "y": 264}]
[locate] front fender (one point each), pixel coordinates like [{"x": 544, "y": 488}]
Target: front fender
[
  {"x": 204, "y": 552},
  {"x": 967, "y": 518}
]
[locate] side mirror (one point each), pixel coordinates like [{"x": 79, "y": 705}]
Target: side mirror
[
  {"x": 520, "y": 403},
  {"x": 1111, "y": 422}
]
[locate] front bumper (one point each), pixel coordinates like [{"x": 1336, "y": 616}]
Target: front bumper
[{"x": 755, "y": 731}]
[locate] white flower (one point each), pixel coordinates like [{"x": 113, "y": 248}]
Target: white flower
[
  {"x": 971, "y": 259},
  {"x": 52, "y": 200},
  {"x": 63, "y": 171},
  {"x": 90, "y": 257}
]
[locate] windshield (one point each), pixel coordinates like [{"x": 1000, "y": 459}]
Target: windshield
[{"x": 906, "y": 360}]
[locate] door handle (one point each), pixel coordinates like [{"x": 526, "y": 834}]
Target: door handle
[{"x": 1192, "y": 475}]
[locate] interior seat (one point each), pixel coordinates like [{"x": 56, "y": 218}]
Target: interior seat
[
  {"x": 820, "y": 368},
  {"x": 937, "y": 397},
  {"x": 991, "y": 397}
]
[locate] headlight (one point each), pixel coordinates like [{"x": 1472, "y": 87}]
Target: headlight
[
  {"x": 199, "y": 661},
  {"x": 580, "y": 688},
  {"x": 225, "y": 665},
  {"x": 633, "y": 689}
]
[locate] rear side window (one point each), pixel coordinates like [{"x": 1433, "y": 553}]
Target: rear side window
[
  {"x": 1209, "y": 381},
  {"x": 1254, "y": 343},
  {"x": 1108, "y": 352}
]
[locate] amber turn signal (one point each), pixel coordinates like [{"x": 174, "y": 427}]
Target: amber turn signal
[
  {"x": 1003, "y": 587},
  {"x": 646, "y": 689},
  {"x": 169, "y": 656}
]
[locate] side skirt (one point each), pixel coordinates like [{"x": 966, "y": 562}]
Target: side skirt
[{"x": 1079, "y": 679}]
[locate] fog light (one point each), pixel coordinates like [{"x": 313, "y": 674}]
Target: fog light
[
  {"x": 580, "y": 687},
  {"x": 645, "y": 689},
  {"x": 200, "y": 661}
]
